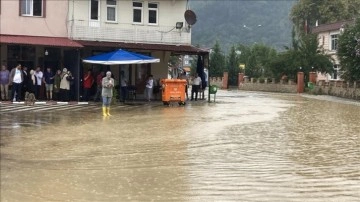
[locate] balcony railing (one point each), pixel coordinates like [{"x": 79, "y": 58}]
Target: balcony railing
[{"x": 101, "y": 31}]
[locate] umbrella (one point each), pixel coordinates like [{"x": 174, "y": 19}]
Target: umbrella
[{"x": 119, "y": 57}]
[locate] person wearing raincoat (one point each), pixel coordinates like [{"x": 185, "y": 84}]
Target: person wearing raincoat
[{"x": 107, "y": 93}]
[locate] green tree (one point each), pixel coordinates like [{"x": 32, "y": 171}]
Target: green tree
[
  {"x": 256, "y": 59},
  {"x": 244, "y": 53},
  {"x": 285, "y": 63},
  {"x": 306, "y": 54},
  {"x": 325, "y": 11},
  {"x": 175, "y": 63},
  {"x": 217, "y": 61},
  {"x": 313, "y": 58},
  {"x": 349, "y": 52},
  {"x": 232, "y": 66}
]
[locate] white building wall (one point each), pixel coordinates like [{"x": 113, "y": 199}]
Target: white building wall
[
  {"x": 169, "y": 12},
  {"x": 324, "y": 39}
]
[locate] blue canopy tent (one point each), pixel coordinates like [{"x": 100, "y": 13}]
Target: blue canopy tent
[{"x": 119, "y": 57}]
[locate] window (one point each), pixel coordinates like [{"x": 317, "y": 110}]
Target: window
[
  {"x": 137, "y": 12},
  {"x": 334, "y": 42},
  {"x": 94, "y": 10},
  {"x": 111, "y": 10},
  {"x": 153, "y": 13},
  {"x": 31, "y": 7}
]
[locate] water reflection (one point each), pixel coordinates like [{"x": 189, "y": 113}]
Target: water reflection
[{"x": 246, "y": 147}]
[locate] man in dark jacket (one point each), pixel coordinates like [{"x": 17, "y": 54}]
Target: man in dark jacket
[{"x": 25, "y": 84}]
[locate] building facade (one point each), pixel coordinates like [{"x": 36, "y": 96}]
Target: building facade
[
  {"x": 328, "y": 35},
  {"x": 38, "y": 33}
]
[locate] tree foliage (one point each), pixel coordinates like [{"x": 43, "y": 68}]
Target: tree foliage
[
  {"x": 256, "y": 59},
  {"x": 232, "y": 66},
  {"x": 175, "y": 64},
  {"x": 349, "y": 52},
  {"x": 304, "y": 54},
  {"x": 325, "y": 11},
  {"x": 217, "y": 61}
]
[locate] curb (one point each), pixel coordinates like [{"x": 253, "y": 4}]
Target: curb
[{"x": 50, "y": 103}]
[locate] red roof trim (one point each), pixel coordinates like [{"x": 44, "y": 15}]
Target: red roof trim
[
  {"x": 39, "y": 40},
  {"x": 186, "y": 49}
]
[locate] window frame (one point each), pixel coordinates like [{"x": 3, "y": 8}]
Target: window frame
[
  {"x": 153, "y": 9},
  {"x": 334, "y": 41},
  {"x": 99, "y": 8},
  {"x": 116, "y": 10},
  {"x": 142, "y": 12},
  {"x": 31, "y": 13}
]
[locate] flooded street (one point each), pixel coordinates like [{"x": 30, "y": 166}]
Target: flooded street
[{"x": 245, "y": 147}]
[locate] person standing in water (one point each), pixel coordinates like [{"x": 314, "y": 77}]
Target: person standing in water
[{"x": 107, "y": 93}]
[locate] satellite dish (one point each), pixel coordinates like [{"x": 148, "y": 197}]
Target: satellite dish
[{"x": 190, "y": 17}]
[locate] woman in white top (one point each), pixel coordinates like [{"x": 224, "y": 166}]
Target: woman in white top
[
  {"x": 149, "y": 88},
  {"x": 64, "y": 85},
  {"x": 39, "y": 76}
]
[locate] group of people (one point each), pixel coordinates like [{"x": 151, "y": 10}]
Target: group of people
[
  {"x": 58, "y": 85},
  {"x": 197, "y": 86},
  {"x": 21, "y": 80}
]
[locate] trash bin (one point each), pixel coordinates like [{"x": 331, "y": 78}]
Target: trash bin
[
  {"x": 173, "y": 90},
  {"x": 213, "y": 90},
  {"x": 310, "y": 85}
]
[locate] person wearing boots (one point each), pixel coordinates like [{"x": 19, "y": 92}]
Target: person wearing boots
[{"x": 107, "y": 93}]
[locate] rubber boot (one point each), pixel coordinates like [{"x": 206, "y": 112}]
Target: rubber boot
[
  {"x": 104, "y": 111},
  {"x": 108, "y": 111}
]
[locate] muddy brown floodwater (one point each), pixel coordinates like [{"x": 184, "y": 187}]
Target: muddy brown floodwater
[{"x": 246, "y": 147}]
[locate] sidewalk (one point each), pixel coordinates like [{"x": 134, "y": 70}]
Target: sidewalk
[
  {"x": 114, "y": 102},
  {"x": 47, "y": 103}
]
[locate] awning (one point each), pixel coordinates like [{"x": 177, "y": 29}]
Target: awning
[
  {"x": 39, "y": 40},
  {"x": 119, "y": 57},
  {"x": 175, "y": 49}
]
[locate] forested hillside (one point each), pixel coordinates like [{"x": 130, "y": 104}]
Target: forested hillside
[{"x": 242, "y": 21}]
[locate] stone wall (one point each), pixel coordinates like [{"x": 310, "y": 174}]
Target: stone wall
[
  {"x": 218, "y": 81},
  {"x": 333, "y": 88},
  {"x": 269, "y": 87},
  {"x": 338, "y": 89}
]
